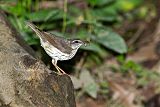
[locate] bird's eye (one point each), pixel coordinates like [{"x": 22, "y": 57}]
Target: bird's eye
[{"x": 76, "y": 41}]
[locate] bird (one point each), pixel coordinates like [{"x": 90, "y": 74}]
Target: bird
[{"x": 58, "y": 48}]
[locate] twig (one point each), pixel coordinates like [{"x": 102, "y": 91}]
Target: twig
[
  {"x": 136, "y": 35},
  {"x": 64, "y": 16}
]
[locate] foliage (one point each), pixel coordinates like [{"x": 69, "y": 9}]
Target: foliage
[
  {"x": 85, "y": 24},
  {"x": 87, "y": 83},
  {"x": 144, "y": 75}
]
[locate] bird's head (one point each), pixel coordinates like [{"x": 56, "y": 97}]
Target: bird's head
[{"x": 76, "y": 43}]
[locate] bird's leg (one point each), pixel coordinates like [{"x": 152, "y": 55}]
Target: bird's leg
[
  {"x": 57, "y": 67},
  {"x": 54, "y": 62}
]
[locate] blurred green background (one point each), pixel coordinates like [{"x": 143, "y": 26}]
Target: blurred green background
[{"x": 116, "y": 30}]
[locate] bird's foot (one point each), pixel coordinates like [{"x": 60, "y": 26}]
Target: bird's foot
[{"x": 60, "y": 71}]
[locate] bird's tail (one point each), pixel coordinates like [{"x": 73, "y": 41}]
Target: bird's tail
[{"x": 35, "y": 29}]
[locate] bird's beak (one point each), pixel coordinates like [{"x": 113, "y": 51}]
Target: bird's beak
[{"x": 85, "y": 43}]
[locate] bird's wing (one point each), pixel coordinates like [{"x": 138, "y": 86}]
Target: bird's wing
[{"x": 58, "y": 42}]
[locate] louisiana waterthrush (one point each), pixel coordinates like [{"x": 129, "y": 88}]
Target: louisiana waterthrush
[{"x": 57, "y": 48}]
